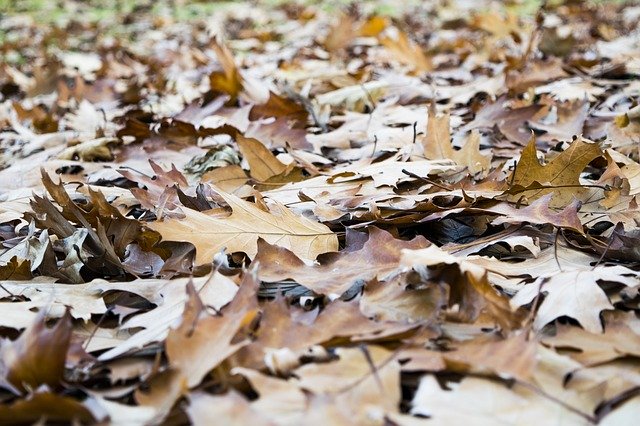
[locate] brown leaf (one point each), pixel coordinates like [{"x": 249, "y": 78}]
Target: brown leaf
[
  {"x": 512, "y": 122},
  {"x": 539, "y": 212},
  {"x": 574, "y": 293},
  {"x": 334, "y": 273},
  {"x": 229, "y": 179},
  {"x": 569, "y": 123},
  {"x": 227, "y": 81},
  {"x": 340, "y": 34},
  {"x": 618, "y": 341},
  {"x": 232, "y": 407},
  {"x": 562, "y": 173},
  {"x": 38, "y": 356},
  {"x": 16, "y": 270},
  {"x": 45, "y": 406},
  {"x": 369, "y": 374},
  {"x": 281, "y": 107},
  {"x": 285, "y": 327},
  {"x": 394, "y": 300}
]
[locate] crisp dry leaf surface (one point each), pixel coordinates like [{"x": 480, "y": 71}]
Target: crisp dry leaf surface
[{"x": 284, "y": 213}]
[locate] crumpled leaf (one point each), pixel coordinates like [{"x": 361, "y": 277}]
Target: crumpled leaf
[{"x": 38, "y": 356}]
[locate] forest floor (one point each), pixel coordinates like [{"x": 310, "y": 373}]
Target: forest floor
[{"x": 290, "y": 213}]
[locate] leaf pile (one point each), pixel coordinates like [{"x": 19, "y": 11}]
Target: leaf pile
[{"x": 284, "y": 214}]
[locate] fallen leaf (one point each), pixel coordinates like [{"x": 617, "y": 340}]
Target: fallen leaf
[
  {"x": 38, "y": 356},
  {"x": 240, "y": 231},
  {"x": 574, "y": 293},
  {"x": 561, "y": 174},
  {"x": 334, "y": 273},
  {"x": 202, "y": 342}
]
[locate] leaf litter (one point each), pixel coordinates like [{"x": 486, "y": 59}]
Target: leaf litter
[{"x": 285, "y": 213}]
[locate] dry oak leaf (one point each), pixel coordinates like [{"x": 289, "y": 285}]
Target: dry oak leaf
[
  {"x": 395, "y": 300},
  {"x": 477, "y": 401},
  {"x": 240, "y": 231},
  {"x": 471, "y": 290},
  {"x": 229, "y": 80},
  {"x": 263, "y": 165},
  {"x": 279, "y": 400},
  {"x": 366, "y": 378},
  {"x": 228, "y": 178},
  {"x": 232, "y": 409},
  {"x": 510, "y": 121},
  {"x": 618, "y": 341},
  {"x": 214, "y": 290},
  {"x": 407, "y": 52},
  {"x": 281, "y": 107},
  {"x": 437, "y": 144},
  {"x": 335, "y": 273},
  {"x": 38, "y": 356},
  {"x": 574, "y": 293},
  {"x": 48, "y": 406},
  {"x": 281, "y": 328},
  {"x": 202, "y": 341},
  {"x": 540, "y": 213},
  {"x": 197, "y": 346},
  {"x": 46, "y": 294},
  {"x": 561, "y": 176},
  {"x": 513, "y": 357}
]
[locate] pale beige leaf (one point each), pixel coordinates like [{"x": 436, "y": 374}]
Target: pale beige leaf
[{"x": 240, "y": 231}]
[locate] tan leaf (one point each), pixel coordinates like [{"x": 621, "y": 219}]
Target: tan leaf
[
  {"x": 240, "y": 231},
  {"x": 262, "y": 163},
  {"x": 471, "y": 157},
  {"x": 562, "y": 173},
  {"x": 202, "y": 341},
  {"x": 338, "y": 321},
  {"x": 437, "y": 145},
  {"x": 618, "y": 341},
  {"x": 371, "y": 375},
  {"x": 437, "y": 142},
  {"x": 170, "y": 296},
  {"x": 231, "y": 409},
  {"x": 393, "y": 300},
  {"x": 335, "y": 273},
  {"x": 539, "y": 212},
  {"x": 229, "y": 178},
  {"x": 514, "y": 357},
  {"x": 407, "y": 52}
]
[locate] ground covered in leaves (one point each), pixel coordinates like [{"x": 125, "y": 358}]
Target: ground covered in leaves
[{"x": 293, "y": 214}]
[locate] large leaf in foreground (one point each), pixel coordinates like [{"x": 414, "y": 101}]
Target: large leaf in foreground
[{"x": 240, "y": 231}]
